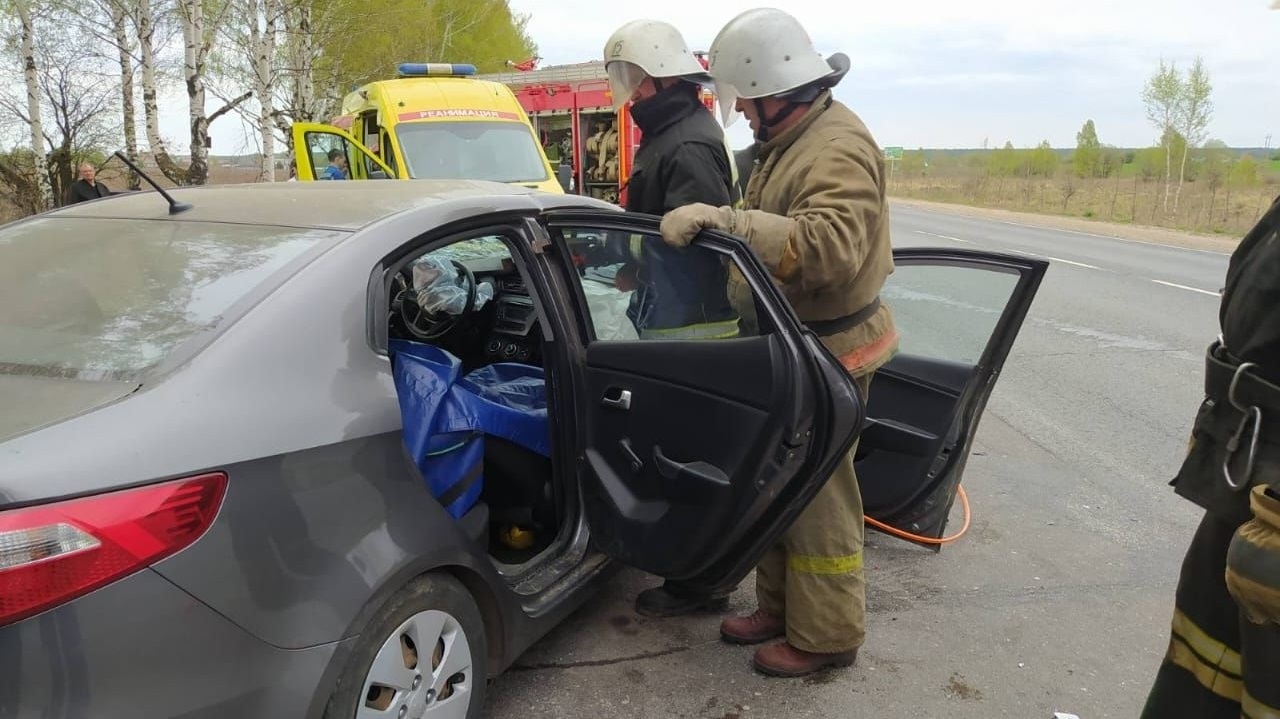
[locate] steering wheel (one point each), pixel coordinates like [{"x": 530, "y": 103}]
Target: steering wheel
[{"x": 422, "y": 324}]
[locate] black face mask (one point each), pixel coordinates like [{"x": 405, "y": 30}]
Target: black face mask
[{"x": 668, "y": 102}]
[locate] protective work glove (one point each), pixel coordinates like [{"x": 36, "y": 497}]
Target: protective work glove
[
  {"x": 682, "y": 224},
  {"x": 1253, "y": 560}
]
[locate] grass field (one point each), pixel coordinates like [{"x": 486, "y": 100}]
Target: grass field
[{"x": 1126, "y": 198}]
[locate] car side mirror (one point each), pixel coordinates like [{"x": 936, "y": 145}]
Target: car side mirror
[{"x": 564, "y": 173}]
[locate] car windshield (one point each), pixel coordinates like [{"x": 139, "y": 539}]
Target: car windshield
[
  {"x": 109, "y": 299},
  {"x": 476, "y": 150}
]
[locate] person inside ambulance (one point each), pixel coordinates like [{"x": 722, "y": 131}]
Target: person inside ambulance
[
  {"x": 682, "y": 159},
  {"x": 337, "y": 168}
]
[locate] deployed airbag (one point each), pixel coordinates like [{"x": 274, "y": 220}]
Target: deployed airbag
[
  {"x": 440, "y": 289},
  {"x": 445, "y": 417},
  {"x": 608, "y": 305}
]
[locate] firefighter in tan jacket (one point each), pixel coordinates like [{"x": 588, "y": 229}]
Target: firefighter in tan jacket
[{"x": 816, "y": 216}]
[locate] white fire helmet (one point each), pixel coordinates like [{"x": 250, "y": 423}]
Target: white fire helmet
[
  {"x": 765, "y": 52},
  {"x": 648, "y": 48}
]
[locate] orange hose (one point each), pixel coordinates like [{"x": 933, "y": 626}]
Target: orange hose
[{"x": 964, "y": 502}]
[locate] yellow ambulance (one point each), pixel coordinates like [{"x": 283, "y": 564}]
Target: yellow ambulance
[{"x": 434, "y": 121}]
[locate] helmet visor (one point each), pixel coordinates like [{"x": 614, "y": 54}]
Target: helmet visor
[
  {"x": 727, "y": 101},
  {"x": 624, "y": 80}
]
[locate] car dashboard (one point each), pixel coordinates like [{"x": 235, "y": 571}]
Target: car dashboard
[
  {"x": 514, "y": 335},
  {"x": 502, "y": 329}
]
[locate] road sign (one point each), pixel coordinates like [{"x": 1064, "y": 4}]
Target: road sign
[{"x": 893, "y": 153}]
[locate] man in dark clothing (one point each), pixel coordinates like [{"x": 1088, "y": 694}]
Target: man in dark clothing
[
  {"x": 679, "y": 293},
  {"x": 682, "y": 158},
  {"x": 87, "y": 187},
  {"x": 1223, "y": 658}
]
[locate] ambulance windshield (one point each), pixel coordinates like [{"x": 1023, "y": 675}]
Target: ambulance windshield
[{"x": 475, "y": 150}]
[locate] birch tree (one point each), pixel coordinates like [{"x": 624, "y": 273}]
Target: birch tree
[
  {"x": 196, "y": 46},
  {"x": 1162, "y": 97},
  {"x": 198, "y": 33},
  {"x": 250, "y": 37},
  {"x": 118, "y": 13},
  {"x": 68, "y": 105},
  {"x": 264, "y": 17},
  {"x": 1088, "y": 155},
  {"x": 302, "y": 51},
  {"x": 149, "y": 60},
  {"x": 1195, "y": 109},
  {"x": 31, "y": 78}
]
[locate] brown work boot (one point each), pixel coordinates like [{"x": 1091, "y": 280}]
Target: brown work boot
[
  {"x": 753, "y": 628},
  {"x": 784, "y": 660}
]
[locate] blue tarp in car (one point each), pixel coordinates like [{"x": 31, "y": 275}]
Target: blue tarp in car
[{"x": 446, "y": 416}]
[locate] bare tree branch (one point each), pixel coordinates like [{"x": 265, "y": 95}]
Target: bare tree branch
[{"x": 230, "y": 106}]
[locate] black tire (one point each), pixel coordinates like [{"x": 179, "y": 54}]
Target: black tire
[{"x": 429, "y": 592}]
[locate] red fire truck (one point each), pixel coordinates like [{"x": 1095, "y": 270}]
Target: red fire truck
[{"x": 571, "y": 109}]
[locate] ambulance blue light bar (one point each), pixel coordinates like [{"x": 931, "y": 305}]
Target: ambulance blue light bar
[{"x": 435, "y": 69}]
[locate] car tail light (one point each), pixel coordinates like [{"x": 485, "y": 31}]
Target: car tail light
[{"x": 53, "y": 553}]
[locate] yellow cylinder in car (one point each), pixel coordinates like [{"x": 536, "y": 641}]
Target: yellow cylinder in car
[{"x": 517, "y": 538}]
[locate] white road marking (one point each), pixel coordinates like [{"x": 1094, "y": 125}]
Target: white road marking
[
  {"x": 1048, "y": 228},
  {"x": 1058, "y": 229},
  {"x": 1184, "y": 287},
  {"x": 945, "y": 237},
  {"x": 1117, "y": 238},
  {"x": 1072, "y": 262}
]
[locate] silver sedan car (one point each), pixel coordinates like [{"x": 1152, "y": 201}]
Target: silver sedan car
[{"x": 348, "y": 449}]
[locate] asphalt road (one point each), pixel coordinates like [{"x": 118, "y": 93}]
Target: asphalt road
[{"x": 1058, "y": 598}]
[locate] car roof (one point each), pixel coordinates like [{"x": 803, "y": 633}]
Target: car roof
[{"x": 322, "y": 205}]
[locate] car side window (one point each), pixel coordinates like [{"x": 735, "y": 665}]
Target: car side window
[
  {"x": 947, "y": 311},
  {"x": 638, "y": 287}
]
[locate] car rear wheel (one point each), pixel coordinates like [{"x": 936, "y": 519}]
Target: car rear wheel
[{"x": 423, "y": 655}]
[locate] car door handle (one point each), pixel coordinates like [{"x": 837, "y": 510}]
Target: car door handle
[
  {"x": 689, "y": 481},
  {"x": 632, "y": 457},
  {"x": 622, "y": 401}
]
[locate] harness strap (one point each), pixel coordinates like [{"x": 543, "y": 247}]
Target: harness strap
[
  {"x": 826, "y": 328},
  {"x": 1250, "y": 389}
]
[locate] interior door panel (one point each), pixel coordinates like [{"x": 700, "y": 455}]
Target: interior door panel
[
  {"x": 697, "y": 413},
  {"x": 958, "y": 313},
  {"x": 911, "y": 416}
]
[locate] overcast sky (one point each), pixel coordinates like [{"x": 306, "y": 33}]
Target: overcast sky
[{"x": 948, "y": 73}]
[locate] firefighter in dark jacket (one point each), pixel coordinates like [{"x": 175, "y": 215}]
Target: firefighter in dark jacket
[
  {"x": 1223, "y": 658},
  {"x": 87, "y": 187},
  {"x": 682, "y": 158}
]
